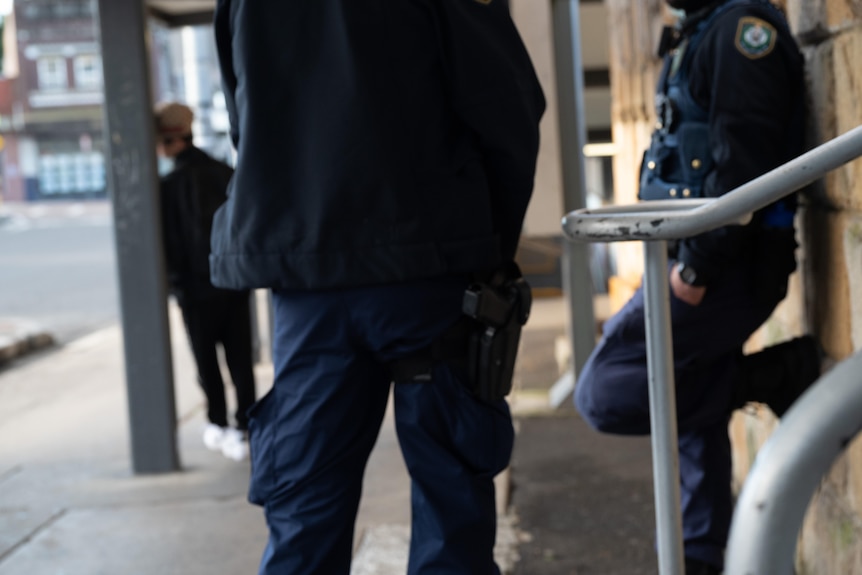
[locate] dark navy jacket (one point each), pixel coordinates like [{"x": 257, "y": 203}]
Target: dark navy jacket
[
  {"x": 752, "y": 108},
  {"x": 378, "y": 140}
]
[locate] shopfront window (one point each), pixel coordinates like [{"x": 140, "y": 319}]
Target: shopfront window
[{"x": 79, "y": 173}]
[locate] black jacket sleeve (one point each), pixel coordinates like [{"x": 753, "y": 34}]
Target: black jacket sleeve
[
  {"x": 495, "y": 92},
  {"x": 752, "y": 102}
]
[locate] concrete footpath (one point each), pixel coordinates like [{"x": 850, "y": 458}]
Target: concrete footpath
[{"x": 572, "y": 502}]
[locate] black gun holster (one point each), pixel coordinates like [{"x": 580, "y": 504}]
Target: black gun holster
[
  {"x": 500, "y": 307},
  {"x": 484, "y": 344}
]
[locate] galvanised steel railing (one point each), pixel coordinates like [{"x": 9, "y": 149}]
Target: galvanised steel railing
[
  {"x": 654, "y": 223},
  {"x": 789, "y": 468}
]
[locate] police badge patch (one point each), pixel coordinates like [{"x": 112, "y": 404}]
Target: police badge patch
[{"x": 755, "y": 38}]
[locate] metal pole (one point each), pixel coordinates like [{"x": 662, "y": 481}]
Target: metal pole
[
  {"x": 270, "y": 316},
  {"x": 254, "y": 318},
  {"x": 577, "y": 284},
  {"x": 788, "y": 470},
  {"x": 133, "y": 186},
  {"x": 662, "y": 398}
]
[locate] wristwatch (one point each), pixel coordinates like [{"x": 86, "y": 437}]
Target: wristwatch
[{"x": 687, "y": 274}]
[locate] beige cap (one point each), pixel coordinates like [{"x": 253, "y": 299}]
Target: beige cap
[{"x": 174, "y": 119}]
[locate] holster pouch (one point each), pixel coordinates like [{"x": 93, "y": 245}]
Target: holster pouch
[{"x": 500, "y": 306}]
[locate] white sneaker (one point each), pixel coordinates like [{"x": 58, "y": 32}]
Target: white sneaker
[
  {"x": 235, "y": 445},
  {"x": 214, "y": 436}
]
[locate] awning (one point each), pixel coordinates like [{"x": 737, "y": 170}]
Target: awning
[{"x": 181, "y": 12}]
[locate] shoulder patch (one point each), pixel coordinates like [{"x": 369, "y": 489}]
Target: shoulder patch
[{"x": 755, "y": 38}]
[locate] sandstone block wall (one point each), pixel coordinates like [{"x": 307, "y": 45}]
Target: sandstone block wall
[{"x": 830, "y": 303}]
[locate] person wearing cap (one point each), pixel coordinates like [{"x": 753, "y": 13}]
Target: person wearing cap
[
  {"x": 190, "y": 195},
  {"x": 730, "y": 106}
]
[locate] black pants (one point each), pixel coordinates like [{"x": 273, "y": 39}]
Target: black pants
[{"x": 221, "y": 316}]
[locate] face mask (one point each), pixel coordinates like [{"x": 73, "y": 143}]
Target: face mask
[
  {"x": 166, "y": 165},
  {"x": 677, "y": 13}
]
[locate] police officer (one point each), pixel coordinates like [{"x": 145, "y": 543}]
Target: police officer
[
  {"x": 190, "y": 194},
  {"x": 730, "y": 106},
  {"x": 386, "y": 156}
]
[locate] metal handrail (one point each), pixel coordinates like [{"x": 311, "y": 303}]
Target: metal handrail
[
  {"x": 692, "y": 217},
  {"x": 789, "y": 468},
  {"x": 654, "y": 223}
]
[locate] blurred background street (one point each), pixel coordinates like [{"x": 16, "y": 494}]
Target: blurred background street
[
  {"x": 574, "y": 502},
  {"x": 57, "y": 265}
]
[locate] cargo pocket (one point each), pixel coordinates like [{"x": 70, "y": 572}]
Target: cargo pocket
[
  {"x": 260, "y": 438},
  {"x": 482, "y": 431}
]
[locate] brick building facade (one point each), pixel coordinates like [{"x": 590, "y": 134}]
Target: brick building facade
[{"x": 52, "y": 127}]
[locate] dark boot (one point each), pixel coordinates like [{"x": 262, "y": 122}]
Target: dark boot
[
  {"x": 695, "y": 567},
  {"x": 778, "y": 375}
]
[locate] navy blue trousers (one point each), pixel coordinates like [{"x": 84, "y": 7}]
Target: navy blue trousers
[
  {"x": 311, "y": 435},
  {"x": 612, "y": 395}
]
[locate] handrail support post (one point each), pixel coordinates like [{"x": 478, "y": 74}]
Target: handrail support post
[{"x": 662, "y": 398}]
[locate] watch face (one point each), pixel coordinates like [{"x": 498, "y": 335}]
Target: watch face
[{"x": 687, "y": 274}]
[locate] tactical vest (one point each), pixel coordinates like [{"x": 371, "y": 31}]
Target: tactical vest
[{"x": 679, "y": 158}]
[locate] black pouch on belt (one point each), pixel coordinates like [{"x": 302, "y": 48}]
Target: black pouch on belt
[
  {"x": 500, "y": 306},
  {"x": 484, "y": 344}
]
